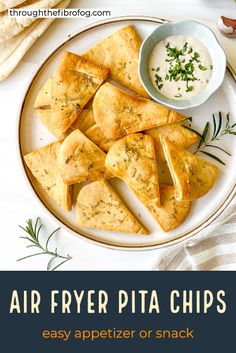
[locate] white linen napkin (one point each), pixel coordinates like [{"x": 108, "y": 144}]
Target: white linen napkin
[{"x": 213, "y": 249}]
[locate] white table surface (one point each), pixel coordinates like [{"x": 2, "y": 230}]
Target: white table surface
[{"x": 16, "y": 202}]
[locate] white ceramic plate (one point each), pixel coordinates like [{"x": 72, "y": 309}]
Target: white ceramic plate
[{"x": 33, "y": 135}]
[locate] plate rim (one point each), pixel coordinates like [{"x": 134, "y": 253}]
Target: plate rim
[{"x": 33, "y": 190}]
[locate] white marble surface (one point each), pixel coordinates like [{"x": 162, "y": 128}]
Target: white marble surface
[{"x": 16, "y": 202}]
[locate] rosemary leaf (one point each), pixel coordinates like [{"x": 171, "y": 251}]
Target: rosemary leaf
[
  {"x": 26, "y": 257},
  {"x": 54, "y": 268},
  {"x": 213, "y": 156},
  {"x": 204, "y": 135},
  {"x": 49, "y": 266},
  {"x": 227, "y": 121},
  {"x": 38, "y": 231},
  {"x": 214, "y": 124},
  {"x": 219, "y": 148},
  {"x": 24, "y": 230},
  {"x": 50, "y": 236},
  {"x": 35, "y": 226},
  {"x": 31, "y": 240},
  {"x": 219, "y": 126}
]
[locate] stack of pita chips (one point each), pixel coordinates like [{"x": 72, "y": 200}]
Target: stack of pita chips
[
  {"x": 103, "y": 131},
  {"x": 17, "y": 35}
]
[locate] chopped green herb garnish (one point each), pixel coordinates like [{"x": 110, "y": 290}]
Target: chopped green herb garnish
[
  {"x": 201, "y": 67},
  {"x": 180, "y": 68},
  {"x": 158, "y": 80}
]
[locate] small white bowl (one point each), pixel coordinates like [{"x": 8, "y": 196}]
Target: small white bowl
[{"x": 203, "y": 34}]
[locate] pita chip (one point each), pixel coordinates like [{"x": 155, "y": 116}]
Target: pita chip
[
  {"x": 176, "y": 133},
  {"x": 43, "y": 99},
  {"x": 98, "y": 206},
  {"x": 119, "y": 113},
  {"x": 80, "y": 159},
  {"x": 193, "y": 177},
  {"x": 132, "y": 159},
  {"x": 43, "y": 165},
  {"x": 95, "y": 134},
  {"x": 120, "y": 52},
  {"x": 73, "y": 85},
  {"x": 84, "y": 121},
  {"x": 172, "y": 213}
]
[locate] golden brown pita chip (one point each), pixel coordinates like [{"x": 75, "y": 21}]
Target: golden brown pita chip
[
  {"x": 119, "y": 52},
  {"x": 118, "y": 113},
  {"x": 80, "y": 159},
  {"x": 193, "y": 177},
  {"x": 132, "y": 159},
  {"x": 43, "y": 165},
  {"x": 176, "y": 133},
  {"x": 98, "y": 206},
  {"x": 72, "y": 86},
  {"x": 51, "y": 120},
  {"x": 95, "y": 134},
  {"x": 44, "y": 96},
  {"x": 84, "y": 121},
  {"x": 171, "y": 213}
]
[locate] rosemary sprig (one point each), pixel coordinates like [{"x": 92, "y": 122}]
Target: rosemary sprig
[
  {"x": 33, "y": 232},
  {"x": 207, "y": 141}
]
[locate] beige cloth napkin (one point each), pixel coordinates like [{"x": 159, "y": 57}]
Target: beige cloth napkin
[{"x": 213, "y": 249}]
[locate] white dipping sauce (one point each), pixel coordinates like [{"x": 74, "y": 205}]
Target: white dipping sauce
[{"x": 180, "y": 67}]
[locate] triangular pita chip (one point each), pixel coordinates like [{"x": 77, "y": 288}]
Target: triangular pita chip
[
  {"x": 52, "y": 121},
  {"x": 193, "y": 177},
  {"x": 171, "y": 213},
  {"x": 73, "y": 84},
  {"x": 119, "y": 113},
  {"x": 80, "y": 159},
  {"x": 132, "y": 159},
  {"x": 84, "y": 122},
  {"x": 176, "y": 133},
  {"x": 43, "y": 99},
  {"x": 43, "y": 165},
  {"x": 98, "y": 206},
  {"x": 95, "y": 134},
  {"x": 119, "y": 52}
]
